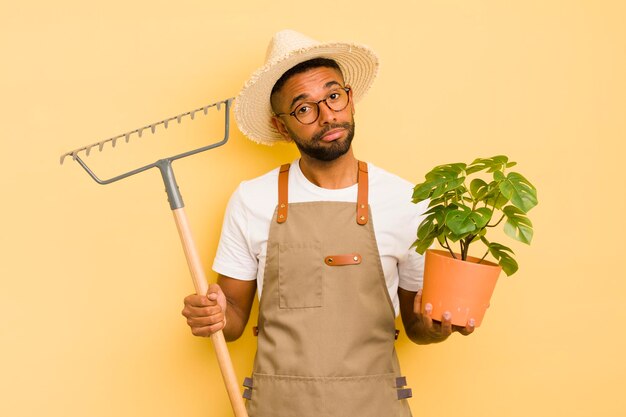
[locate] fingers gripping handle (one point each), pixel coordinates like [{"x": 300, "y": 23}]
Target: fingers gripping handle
[{"x": 201, "y": 285}]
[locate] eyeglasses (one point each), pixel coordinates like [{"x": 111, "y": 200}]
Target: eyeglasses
[{"x": 308, "y": 112}]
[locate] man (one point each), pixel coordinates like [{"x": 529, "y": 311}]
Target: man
[{"x": 331, "y": 275}]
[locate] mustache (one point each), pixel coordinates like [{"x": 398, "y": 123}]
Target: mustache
[{"x": 318, "y": 136}]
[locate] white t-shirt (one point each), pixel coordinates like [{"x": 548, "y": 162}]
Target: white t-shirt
[{"x": 242, "y": 248}]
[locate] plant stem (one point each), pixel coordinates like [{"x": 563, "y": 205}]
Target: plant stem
[
  {"x": 495, "y": 200},
  {"x": 494, "y": 225},
  {"x": 448, "y": 247},
  {"x": 465, "y": 245},
  {"x": 484, "y": 256},
  {"x": 459, "y": 197},
  {"x": 468, "y": 241}
]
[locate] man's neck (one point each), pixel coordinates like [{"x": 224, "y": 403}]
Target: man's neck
[{"x": 340, "y": 173}]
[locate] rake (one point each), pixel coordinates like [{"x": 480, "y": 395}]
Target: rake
[{"x": 180, "y": 217}]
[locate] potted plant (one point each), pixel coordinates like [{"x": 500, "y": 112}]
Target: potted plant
[{"x": 466, "y": 201}]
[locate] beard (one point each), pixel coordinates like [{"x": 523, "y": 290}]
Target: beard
[{"x": 322, "y": 151}]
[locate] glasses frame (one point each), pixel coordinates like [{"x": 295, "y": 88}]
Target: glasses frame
[{"x": 317, "y": 103}]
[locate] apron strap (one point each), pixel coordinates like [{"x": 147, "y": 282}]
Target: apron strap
[
  {"x": 283, "y": 189},
  {"x": 362, "y": 213}
]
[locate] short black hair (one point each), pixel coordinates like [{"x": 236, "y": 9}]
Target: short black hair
[{"x": 303, "y": 67}]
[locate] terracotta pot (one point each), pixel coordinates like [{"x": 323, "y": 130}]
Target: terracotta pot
[{"x": 463, "y": 288}]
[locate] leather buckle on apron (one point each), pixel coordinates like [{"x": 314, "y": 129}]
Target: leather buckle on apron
[
  {"x": 362, "y": 213},
  {"x": 342, "y": 260}
]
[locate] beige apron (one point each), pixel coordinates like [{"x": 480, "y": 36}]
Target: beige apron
[{"x": 326, "y": 323}]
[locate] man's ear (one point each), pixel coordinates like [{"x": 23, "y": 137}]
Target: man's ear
[{"x": 280, "y": 126}]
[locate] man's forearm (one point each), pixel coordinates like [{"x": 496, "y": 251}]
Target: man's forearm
[{"x": 235, "y": 323}]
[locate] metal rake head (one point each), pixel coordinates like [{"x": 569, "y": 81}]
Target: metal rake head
[
  {"x": 162, "y": 163},
  {"x": 139, "y": 131}
]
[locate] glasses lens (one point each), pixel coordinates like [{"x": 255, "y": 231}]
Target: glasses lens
[
  {"x": 307, "y": 113},
  {"x": 337, "y": 100}
]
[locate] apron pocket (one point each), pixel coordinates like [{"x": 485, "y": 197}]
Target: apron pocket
[
  {"x": 292, "y": 396},
  {"x": 300, "y": 274},
  {"x": 364, "y": 396}
]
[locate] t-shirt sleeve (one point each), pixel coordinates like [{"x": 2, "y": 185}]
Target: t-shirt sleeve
[
  {"x": 411, "y": 271},
  {"x": 234, "y": 257},
  {"x": 411, "y": 266}
]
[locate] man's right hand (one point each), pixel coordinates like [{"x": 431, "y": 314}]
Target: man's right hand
[{"x": 206, "y": 314}]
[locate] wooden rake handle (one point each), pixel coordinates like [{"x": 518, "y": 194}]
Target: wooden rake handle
[{"x": 201, "y": 285}]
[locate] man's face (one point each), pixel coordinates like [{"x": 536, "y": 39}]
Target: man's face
[{"x": 330, "y": 136}]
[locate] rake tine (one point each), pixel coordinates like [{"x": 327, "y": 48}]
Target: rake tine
[{"x": 139, "y": 131}]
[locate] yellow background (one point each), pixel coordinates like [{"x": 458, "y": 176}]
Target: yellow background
[{"x": 92, "y": 278}]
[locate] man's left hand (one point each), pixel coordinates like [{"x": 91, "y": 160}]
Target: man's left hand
[{"x": 421, "y": 327}]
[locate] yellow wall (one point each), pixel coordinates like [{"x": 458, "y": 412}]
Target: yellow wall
[{"x": 92, "y": 278}]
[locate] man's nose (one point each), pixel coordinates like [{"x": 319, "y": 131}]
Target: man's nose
[{"x": 326, "y": 115}]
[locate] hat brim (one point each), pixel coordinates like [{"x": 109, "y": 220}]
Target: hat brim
[{"x": 253, "y": 111}]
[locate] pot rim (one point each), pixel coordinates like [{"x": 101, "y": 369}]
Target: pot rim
[{"x": 470, "y": 259}]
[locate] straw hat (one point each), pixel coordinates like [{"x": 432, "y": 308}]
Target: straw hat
[{"x": 253, "y": 112}]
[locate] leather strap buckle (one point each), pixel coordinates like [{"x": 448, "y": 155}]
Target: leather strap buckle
[
  {"x": 362, "y": 211},
  {"x": 343, "y": 260},
  {"x": 283, "y": 191}
]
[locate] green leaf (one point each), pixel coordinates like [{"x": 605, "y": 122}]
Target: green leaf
[
  {"x": 453, "y": 237},
  {"x": 475, "y": 168},
  {"x": 478, "y": 188},
  {"x": 423, "y": 190},
  {"x": 439, "y": 213},
  {"x": 426, "y": 234},
  {"x": 440, "y": 180},
  {"x": 421, "y": 245},
  {"x": 459, "y": 221},
  {"x": 450, "y": 185},
  {"x": 493, "y": 164},
  {"x": 518, "y": 226},
  {"x": 446, "y": 170},
  {"x": 481, "y": 217},
  {"x": 505, "y": 260},
  {"x": 508, "y": 264},
  {"x": 426, "y": 227},
  {"x": 446, "y": 198},
  {"x": 519, "y": 191},
  {"x": 429, "y": 228}
]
